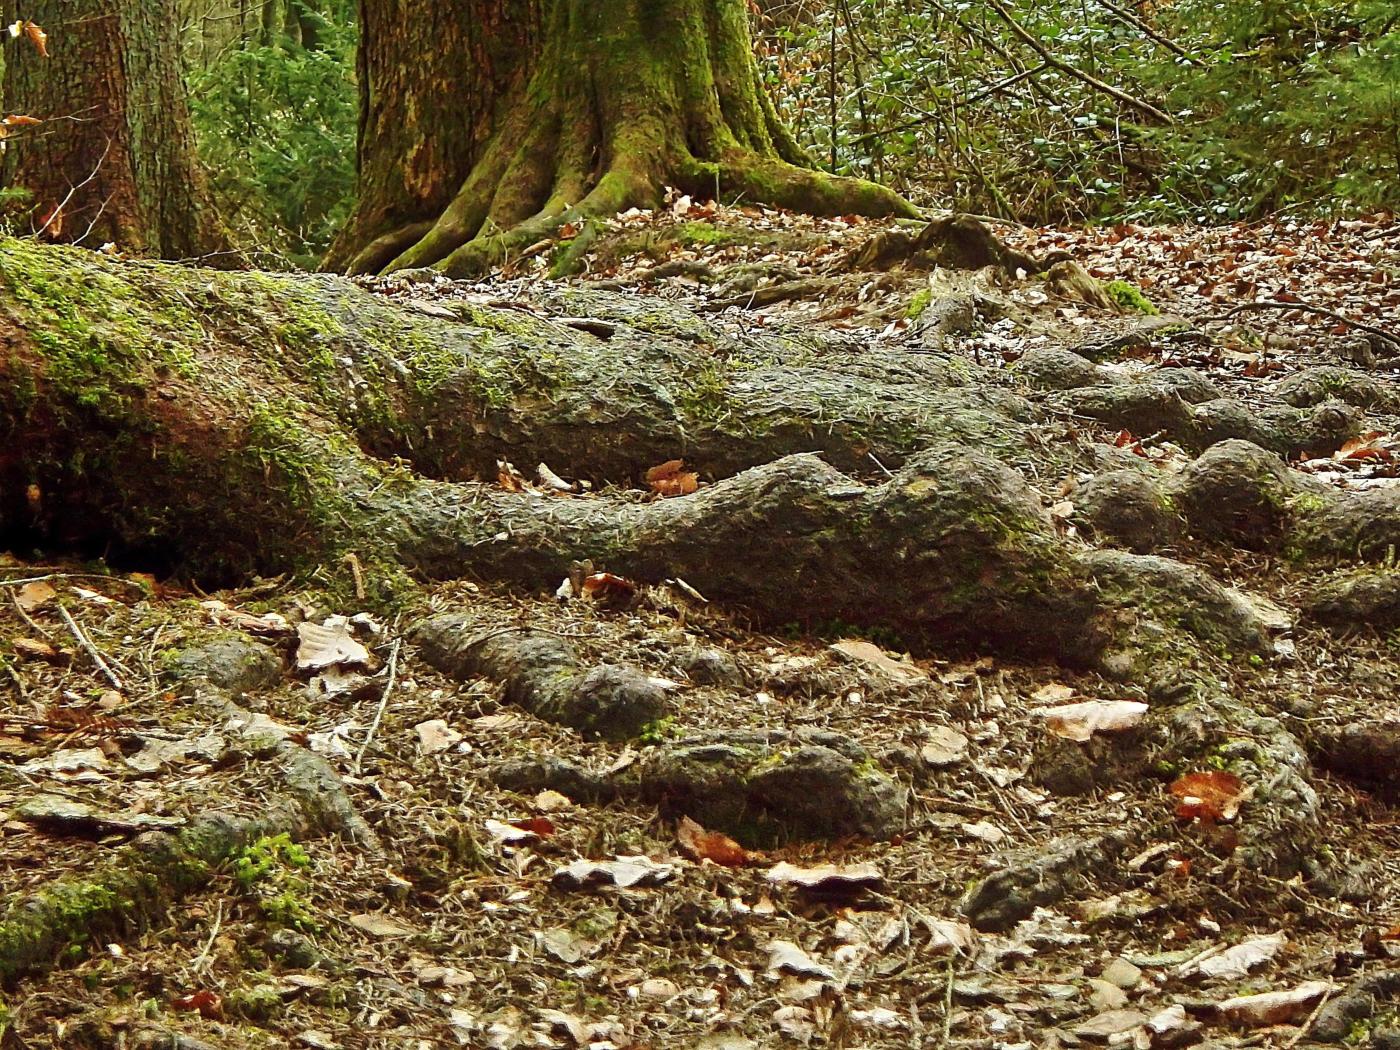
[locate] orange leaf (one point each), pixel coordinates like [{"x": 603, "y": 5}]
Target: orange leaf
[
  {"x": 670, "y": 479},
  {"x": 38, "y": 38},
  {"x": 1210, "y": 796},
  {"x": 604, "y": 586},
  {"x": 207, "y": 1003},
  {"x": 19, "y": 120},
  {"x": 541, "y": 826},
  {"x": 711, "y": 845}
]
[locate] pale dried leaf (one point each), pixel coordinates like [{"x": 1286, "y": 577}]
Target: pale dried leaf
[
  {"x": 1082, "y": 720},
  {"x": 872, "y": 655},
  {"x": 323, "y": 646}
]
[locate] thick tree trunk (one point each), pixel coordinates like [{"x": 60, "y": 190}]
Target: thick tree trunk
[
  {"x": 488, "y": 126},
  {"x": 114, "y": 159}
]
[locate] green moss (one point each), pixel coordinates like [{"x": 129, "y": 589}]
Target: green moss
[
  {"x": 102, "y": 342},
  {"x": 705, "y": 234},
  {"x": 918, "y": 303},
  {"x": 1129, "y": 296}
]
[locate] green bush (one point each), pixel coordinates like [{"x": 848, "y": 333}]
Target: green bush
[{"x": 276, "y": 124}]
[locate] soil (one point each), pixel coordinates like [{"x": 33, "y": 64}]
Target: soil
[{"x": 207, "y": 844}]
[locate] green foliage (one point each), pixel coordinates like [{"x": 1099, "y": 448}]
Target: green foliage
[
  {"x": 276, "y": 122},
  {"x": 1276, "y": 105}
]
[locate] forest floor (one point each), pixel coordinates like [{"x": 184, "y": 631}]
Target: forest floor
[{"x": 462, "y": 916}]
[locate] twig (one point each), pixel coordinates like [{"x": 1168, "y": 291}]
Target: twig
[
  {"x": 1040, "y": 49},
  {"x": 948, "y": 1001},
  {"x": 383, "y": 703},
  {"x": 29, "y": 620},
  {"x": 1271, "y": 304},
  {"x": 203, "y": 957},
  {"x": 90, "y": 649}
]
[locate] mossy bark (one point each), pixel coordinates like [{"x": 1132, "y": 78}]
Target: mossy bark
[
  {"x": 487, "y": 129},
  {"x": 113, "y": 160}
]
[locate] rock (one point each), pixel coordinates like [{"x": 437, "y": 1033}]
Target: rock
[
  {"x": 764, "y": 787},
  {"x": 294, "y": 950},
  {"x": 1101, "y": 1028},
  {"x": 1035, "y": 879},
  {"x": 709, "y": 666},
  {"x": 1122, "y": 974},
  {"x": 68, "y": 817},
  {"x": 1357, "y": 1003},
  {"x": 1364, "y": 597},
  {"x": 232, "y": 663}
]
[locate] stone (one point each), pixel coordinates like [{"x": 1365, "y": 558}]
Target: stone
[{"x": 231, "y": 663}]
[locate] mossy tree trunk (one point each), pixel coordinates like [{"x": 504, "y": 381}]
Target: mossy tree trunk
[
  {"x": 486, "y": 126},
  {"x": 113, "y": 160}
]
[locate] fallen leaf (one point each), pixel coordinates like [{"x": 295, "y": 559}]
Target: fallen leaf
[
  {"x": 551, "y": 801},
  {"x": 1210, "y": 796},
  {"x": 35, "y": 595},
  {"x": 867, "y": 653},
  {"x": 1239, "y": 960},
  {"x": 541, "y": 826},
  {"x": 205, "y": 1003},
  {"x": 1052, "y": 693},
  {"x": 945, "y": 747},
  {"x": 1082, "y": 720},
  {"x": 34, "y": 649},
  {"x": 711, "y": 845},
  {"x": 324, "y": 645},
  {"x": 621, "y": 871},
  {"x": 785, "y": 957},
  {"x": 435, "y": 735},
  {"x": 985, "y": 831},
  {"x": 828, "y": 880},
  {"x": 1271, "y": 1008},
  {"x": 608, "y": 587},
  {"x": 377, "y": 924},
  {"x": 671, "y": 479},
  {"x": 510, "y": 834}
]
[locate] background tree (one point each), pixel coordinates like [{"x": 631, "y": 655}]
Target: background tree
[
  {"x": 486, "y": 125},
  {"x": 114, "y": 158}
]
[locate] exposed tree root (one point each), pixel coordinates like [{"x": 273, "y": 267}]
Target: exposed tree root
[{"x": 261, "y": 424}]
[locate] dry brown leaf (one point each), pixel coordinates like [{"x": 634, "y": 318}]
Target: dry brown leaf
[
  {"x": 713, "y": 846},
  {"x": 377, "y": 924},
  {"x": 607, "y": 586},
  {"x": 871, "y": 654},
  {"x": 1210, "y": 796},
  {"x": 35, "y": 595},
  {"x": 34, "y": 649},
  {"x": 1271, "y": 1008}
]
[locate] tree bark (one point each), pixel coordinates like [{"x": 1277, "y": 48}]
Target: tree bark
[
  {"x": 488, "y": 126},
  {"x": 114, "y": 159}
]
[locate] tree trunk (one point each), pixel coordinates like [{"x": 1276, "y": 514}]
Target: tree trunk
[
  {"x": 487, "y": 126},
  {"x": 114, "y": 159}
]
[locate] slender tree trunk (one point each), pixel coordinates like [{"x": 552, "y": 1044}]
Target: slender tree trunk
[
  {"x": 114, "y": 159},
  {"x": 487, "y": 125}
]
